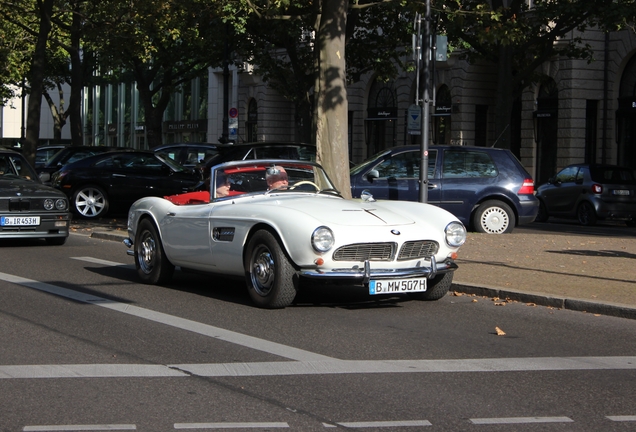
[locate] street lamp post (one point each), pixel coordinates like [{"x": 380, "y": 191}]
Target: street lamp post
[{"x": 425, "y": 57}]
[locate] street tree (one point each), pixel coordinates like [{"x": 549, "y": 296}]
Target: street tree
[
  {"x": 517, "y": 37},
  {"x": 161, "y": 44},
  {"x": 310, "y": 51}
]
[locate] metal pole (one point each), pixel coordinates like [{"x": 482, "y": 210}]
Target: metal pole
[{"x": 425, "y": 106}]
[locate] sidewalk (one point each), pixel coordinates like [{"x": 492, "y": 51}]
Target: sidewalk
[{"x": 591, "y": 273}]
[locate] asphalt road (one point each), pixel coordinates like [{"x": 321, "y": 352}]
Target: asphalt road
[{"x": 85, "y": 346}]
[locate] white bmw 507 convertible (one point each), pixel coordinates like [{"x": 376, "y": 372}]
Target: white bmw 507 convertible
[{"x": 279, "y": 223}]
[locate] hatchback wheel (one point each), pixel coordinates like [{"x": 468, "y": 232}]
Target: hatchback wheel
[
  {"x": 494, "y": 217},
  {"x": 90, "y": 202},
  {"x": 586, "y": 214}
]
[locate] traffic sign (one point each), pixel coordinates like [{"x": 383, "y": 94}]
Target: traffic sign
[{"x": 414, "y": 120}]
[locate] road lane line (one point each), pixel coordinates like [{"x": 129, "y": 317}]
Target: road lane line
[
  {"x": 88, "y": 371},
  {"x": 520, "y": 420},
  {"x": 248, "y": 425},
  {"x": 182, "y": 323},
  {"x": 384, "y": 424},
  {"x": 102, "y": 262},
  {"x": 627, "y": 418},
  {"x": 105, "y": 427}
]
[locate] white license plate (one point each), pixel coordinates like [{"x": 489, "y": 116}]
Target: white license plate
[
  {"x": 393, "y": 286},
  {"x": 620, "y": 192},
  {"x": 19, "y": 220}
]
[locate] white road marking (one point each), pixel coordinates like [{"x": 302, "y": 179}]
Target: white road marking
[
  {"x": 306, "y": 362},
  {"x": 229, "y": 425},
  {"x": 101, "y": 261},
  {"x": 627, "y": 418},
  {"x": 521, "y": 420},
  {"x": 79, "y": 428},
  {"x": 385, "y": 424}
]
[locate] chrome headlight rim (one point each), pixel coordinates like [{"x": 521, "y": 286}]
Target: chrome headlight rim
[
  {"x": 49, "y": 204},
  {"x": 322, "y": 239},
  {"x": 455, "y": 234},
  {"x": 61, "y": 204}
]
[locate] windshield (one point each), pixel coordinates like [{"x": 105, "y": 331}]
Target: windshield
[
  {"x": 372, "y": 160},
  {"x": 170, "y": 162},
  {"x": 269, "y": 176},
  {"x": 16, "y": 167}
]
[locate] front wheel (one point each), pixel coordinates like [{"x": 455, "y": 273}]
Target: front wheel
[
  {"x": 586, "y": 214},
  {"x": 271, "y": 278},
  {"x": 90, "y": 202},
  {"x": 436, "y": 288},
  {"x": 150, "y": 258},
  {"x": 494, "y": 217}
]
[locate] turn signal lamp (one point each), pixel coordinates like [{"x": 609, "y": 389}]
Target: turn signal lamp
[{"x": 319, "y": 261}]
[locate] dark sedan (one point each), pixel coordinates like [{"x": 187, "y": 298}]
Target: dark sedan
[
  {"x": 260, "y": 150},
  {"x": 486, "y": 188},
  {"x": 590, "y": 193},
  {"x": 29, "y": 209},
  {"x": 68, "y": 155},
  {"x": 189, "y": 154},
  {"x": 114, "y": 180}
]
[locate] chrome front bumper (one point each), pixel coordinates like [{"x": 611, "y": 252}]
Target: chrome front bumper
[{"x": 365, "y": 274}]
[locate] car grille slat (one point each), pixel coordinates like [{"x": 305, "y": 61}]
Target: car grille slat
[
  {"x": 418, "y": 249},
  {"x": 366, "y": 251}
]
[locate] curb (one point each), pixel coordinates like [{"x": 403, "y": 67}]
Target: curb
[{"x": 578, "y": 305}]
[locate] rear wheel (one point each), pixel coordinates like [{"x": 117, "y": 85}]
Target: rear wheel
[
  {"x": 586, "y": 214},
  {"x": 494, "y": 217},
  {"x": 436, "y": 287},
  {"x": 90, "y": 202},
  {"x": 271, "y": 278},
  {"x": 150, "y": 259}
]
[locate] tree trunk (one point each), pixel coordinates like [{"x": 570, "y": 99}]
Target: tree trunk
[
  {"x": 505, "y": 98},
  {"x": 331, "y": 95},
  {"x": 36, "y": 80}
]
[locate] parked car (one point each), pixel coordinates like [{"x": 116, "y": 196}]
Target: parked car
[
  {"x": 260, "y": 150},
  {"x": 46, "y": 152},
  {"x": 68, "y": 155},
  {"x": 29, "y": 209},
  {"x": 487, "y": 189},
  {"x": 114, "y": 180},
  {"x": 189, "y": 154},
  {"x": 281, "y": 223},
  {"x": 589, "y": 192}
]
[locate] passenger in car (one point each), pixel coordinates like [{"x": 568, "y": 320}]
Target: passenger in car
[{"x": 276, "y": 177}]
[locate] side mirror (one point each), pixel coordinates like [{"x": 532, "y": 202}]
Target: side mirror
[{"x": 373, "y": 174}]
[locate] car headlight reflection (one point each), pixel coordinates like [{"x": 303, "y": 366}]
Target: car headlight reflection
[
  {"x": 455, "y": 234},
  {"x": 322, "y": 239},
  {"x": 49, "y": 204}
]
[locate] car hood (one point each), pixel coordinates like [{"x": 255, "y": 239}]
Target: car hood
[
  {"x": 332, "y": 210},
  {"x": 26, "y": 188}
]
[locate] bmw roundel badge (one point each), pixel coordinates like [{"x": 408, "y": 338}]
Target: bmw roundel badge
[{"x": 395, "y": 232}]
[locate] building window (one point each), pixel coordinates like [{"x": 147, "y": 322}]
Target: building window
[
  {"x": 481, "y": 125},
  {"x": 251, "y": 125},
  {"x": 591, "y": 124}
]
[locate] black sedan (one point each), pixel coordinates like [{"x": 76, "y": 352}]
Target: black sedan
[
  {"x": 589, "y": 192},
  {"x": 68, "y": 155},
  {"x": 114, "y": 180},
  {"x": 29, "y": 209}
]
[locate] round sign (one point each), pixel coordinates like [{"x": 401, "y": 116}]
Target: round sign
[{"x": 233, "y": 112}]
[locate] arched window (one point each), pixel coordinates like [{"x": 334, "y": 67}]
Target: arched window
[
  {"x": 381, "y": 118},
  {"x": 442, "y": 116},
  {"x": 251, "y": 125}
]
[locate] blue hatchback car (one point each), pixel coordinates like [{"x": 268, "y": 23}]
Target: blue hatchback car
[{"x": 486, "y": 188}]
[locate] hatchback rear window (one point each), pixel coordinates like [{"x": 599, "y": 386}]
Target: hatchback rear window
[
  {"x": 613, "y": 175},
  {"x": 468, "y": 164}
]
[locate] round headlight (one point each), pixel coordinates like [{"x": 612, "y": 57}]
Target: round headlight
[
  {"x": 455, "y": 234},
  {"x": 49, "y": 204},
  {"x": 322, "y": 239},
  {"x": 60, "y": 204}
]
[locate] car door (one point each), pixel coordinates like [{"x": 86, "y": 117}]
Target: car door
[
  {"x": 396, "y": 177},
  {"x": 464, "y": 174},
  {"x": 562, "y": 196},
  {"x": 186, "y": 236}
]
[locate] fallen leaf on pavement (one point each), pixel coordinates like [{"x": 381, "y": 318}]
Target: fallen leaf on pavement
[
  {"x": 499, "y": 331},
  {"x": 531, "y": 304},
  {"x": 474, "y": 300},
  {"x": 500, "y": 304}
]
